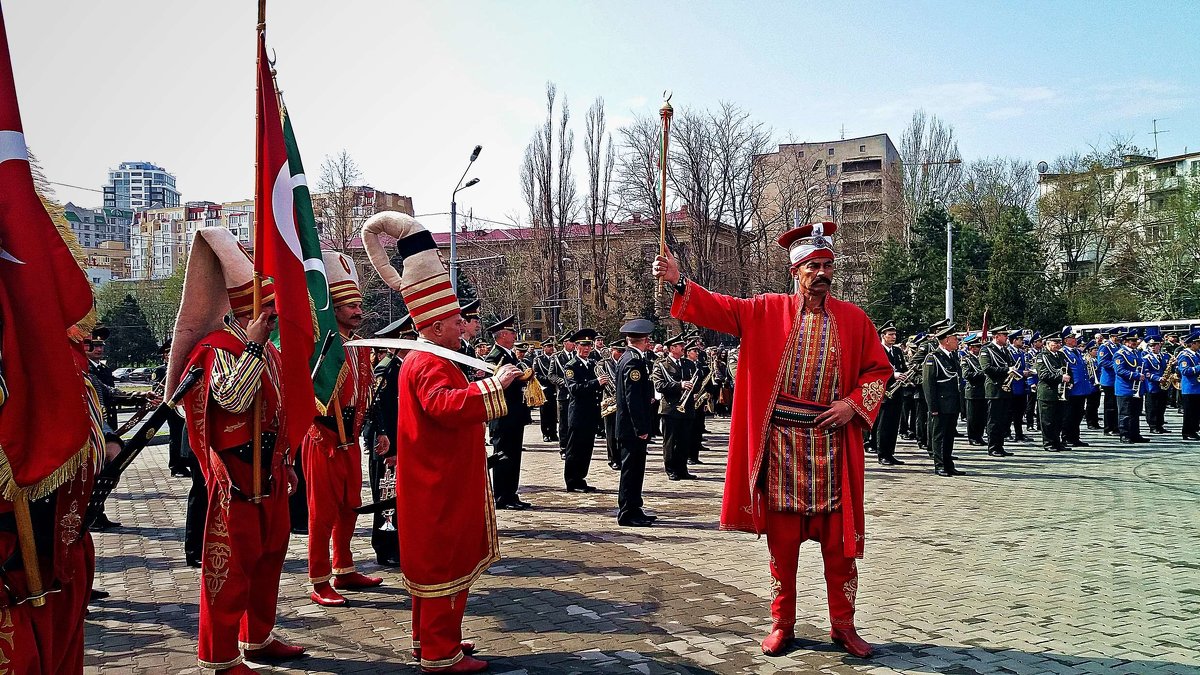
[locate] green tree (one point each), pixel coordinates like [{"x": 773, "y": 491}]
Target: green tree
[
  {"x": 889, "y": 287},
  {"x": 130, "y": 342},
  {"x": 1019, "y": 288}
]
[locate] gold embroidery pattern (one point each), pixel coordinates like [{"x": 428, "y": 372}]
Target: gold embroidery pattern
[
  {"x": 872, "y": 394},
  {"x": 850, "y": 588},
  {"x": 69, "y": 525},
  {"x": 6, "y": 640},
  {"x": 217, "y": 552}
]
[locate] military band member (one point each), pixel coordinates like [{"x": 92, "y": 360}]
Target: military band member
[
  {"x": 381, "y": 421},
  {"x": 1054, "y": 381},
  {"x": 471, "y": 328},
  {"x": 974, "y": 396},
  {"x": 634, "y": 421},
  {"x": 1104, "y": 361},
  {"x": 583, "y": 413},
  {"x": 674, "y": 377},
  {"x": 1032, "y": 417},
  {"x": 545, "y": 368},
  {"x": 482, "y": 349},
  {"x": 508, "y": 431},
  {"x": 1091, "y": 410},
  {"x": 1081, "y": 388},
  {"x": 1130, "y": 387},
  {"x": 521, "y": 351},
  {"x": 564, "y": 397},
  {"x": 1020, "y": 385},
  {"x": 608, "y": 405},
  {"x": 997, "y": 363},
  {"x": 1188, "y": 366},
  {"x": 700, "y": 401},
  {"x": 246, "y": 537},
  {"x": 1155, "y": 391},
  {"x": 1171, "y": 348},
  {"x": 939, "y": 378},
  {"x": 887, "y": 424},
  {"x": 908, "y": 392}
]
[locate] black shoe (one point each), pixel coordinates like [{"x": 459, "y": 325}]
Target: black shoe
[
  {"x": 1110, "y": 432},
  {"x": 694, "y": 462},
  {"x": 1191, "y": 437},
  {"x": 97, "y": 595},
  {"x": 1094, "y": 427},
  {"x": 635, "y": 521},
  {"x": 1023, "y": 439},
  {"x": 972, "y": 441},
  {"x": 387, "y": 561},
  {"x": 546, "y": 439},
  {"x": 522, "y": 504},
  {"x": 1050, "y": 448},
  {"x": 672, "y": 476},
  {"x": 512, "y": 504},
  {"x": 562, "y": 454},
  {"x": 1141, "y": 439},
  {"x": 181, "y": 473},
  {"x": 193, "y": 562},
  {"x": 103, "y": 523},
  {"x": 997, "y": 453},
  {"x": 1062, "y": 448},
  {"x": 956, "y": 472},
  {"x": 615, "y": 466},
  {"x": 1079, "y": 444},
  {"x": 940, "y": 472},
  {"x": 300, "y": 530},
  {"x": 582, "y": 487}
]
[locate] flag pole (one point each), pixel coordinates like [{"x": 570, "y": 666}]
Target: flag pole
[
  {"x": 33, "y": 573},
  {"x": 256, "y": 432},
  {"x": 666, "y": 112}
]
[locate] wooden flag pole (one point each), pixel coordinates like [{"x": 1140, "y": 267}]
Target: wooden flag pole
[
  {"x": 33, "y": 572},
  {"x": 666, "y": 112},
  {"x": 256, "y": 409}
]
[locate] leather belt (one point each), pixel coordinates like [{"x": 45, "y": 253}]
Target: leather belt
[
  {"x": 792, "y": 412},
  {"x": 330, "y": 423}
]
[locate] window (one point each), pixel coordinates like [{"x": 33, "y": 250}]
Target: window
[
  {"x": 832, "y": 190},
  {"x": 537, "y": 313},
  {"x": 1195, "y": 168},
  {"x": 831, "y": 152},
  {"x": 862, "y": 148},
  {"x": 862, "y": 165},
  {"x": 831, "y": 170},
  {"x": 802, "y": 154}
]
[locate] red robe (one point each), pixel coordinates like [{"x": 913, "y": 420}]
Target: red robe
[
  {"x": 765, "y": 324},
  {"x": 444, "y": 509}
]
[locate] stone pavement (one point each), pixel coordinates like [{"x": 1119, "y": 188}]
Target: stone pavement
[{"x": 1080, "y": 562}]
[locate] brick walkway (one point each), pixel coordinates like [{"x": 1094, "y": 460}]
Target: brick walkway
[{"x": 1085, "y": 562}]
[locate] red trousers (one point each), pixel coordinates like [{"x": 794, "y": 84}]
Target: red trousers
[
  {"x": 48, "y": 640},
  {"x": 243, "y": 561},
  {"x": 334, "y": 478},
  {"x": 437, "y": 629},
  {"x": 785, "y": 532}
]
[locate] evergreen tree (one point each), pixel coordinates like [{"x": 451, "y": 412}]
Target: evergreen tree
[{"x": 130, "y": 341}]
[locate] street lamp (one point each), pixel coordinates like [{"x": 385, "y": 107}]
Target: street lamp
[
  {"x": 949, "y": 235},
  {"x": 454, "y": 217}
]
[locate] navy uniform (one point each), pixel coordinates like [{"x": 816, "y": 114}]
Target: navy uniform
[
  {"x": 545, "y": 368},
  {"x": 973, "y": 389},
  {"x": 1081, "y": 389},
  {"x": 887, "y": 422},
  {"x": 940, "y": 383},
  {"x": 1130, "y": 387},
  {"x": 1032, "y": 414},
  {"x": 998, "y": 365},
  {"x": 564, "y": 397},
  {"x": 1155, "y": 391},
  {"x": 1053, "y": 377},
  {"x": 583, "y": 412},
  {"x": 634, "y": 422},
  {"x": 670, "y": 375},
  {"x": 508, "y": 432},
  {"x": 1187, "y": 364}
]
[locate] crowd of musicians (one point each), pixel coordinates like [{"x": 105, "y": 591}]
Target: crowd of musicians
[
  {"x": 420, "y": 404},
  {"x": 1007, "y": 384}
]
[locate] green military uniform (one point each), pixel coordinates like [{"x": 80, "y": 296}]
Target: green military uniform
[
  {"x": 997, "y": 362},
  {"x": 973, "y": 394},
  {"x": 1050, "y": 367},
  {"x": 939, "y": 380}
]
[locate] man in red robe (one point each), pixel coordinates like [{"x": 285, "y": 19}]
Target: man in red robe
[
  {"x": 445, "y": 513},
  {"x": 330, "y": 454},
  {"x": 804, "y": 395},
  {"x": 247, "y": 525}
]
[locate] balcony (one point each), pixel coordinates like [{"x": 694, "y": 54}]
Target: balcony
[{"x": 1165, "y": 184}]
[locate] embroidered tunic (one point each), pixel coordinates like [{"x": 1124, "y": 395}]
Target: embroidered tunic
[{"x": 803, "y": 465}]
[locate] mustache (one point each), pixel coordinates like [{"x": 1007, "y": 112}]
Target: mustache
[{"x": 820, "y": 279}]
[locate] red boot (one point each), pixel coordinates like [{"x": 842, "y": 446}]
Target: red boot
[
  {"x": 275, "y": 651},
  {"x": 324, "y": 595},
  {"x": 777, "y": 641},
  {"x": 850, "y": 641},
  {"x": 467, "y": 647},
  {"x": 353, "y": 581},
  {"x": 469, "y": 664},
  {"x": 239, "y": 669}
]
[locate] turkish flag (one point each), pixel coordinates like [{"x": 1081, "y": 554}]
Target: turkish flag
[
  {"x": 277, "y": 255},
  {"x": 43, "y": 292}
]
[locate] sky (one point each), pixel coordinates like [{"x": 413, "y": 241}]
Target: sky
[{"x": 409, "y": 88}]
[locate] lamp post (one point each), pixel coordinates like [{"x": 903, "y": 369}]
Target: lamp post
[
  {"x": 949, "y": 235},
  {"x": 454, "y": 217}
]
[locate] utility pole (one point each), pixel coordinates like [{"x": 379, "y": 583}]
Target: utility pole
[{"x": 1155, "y": 134}]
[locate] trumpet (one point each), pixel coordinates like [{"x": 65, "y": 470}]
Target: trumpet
[
  {"x": 1091, "y": 367},
  {"x": 1063, "y": 387},
  {"x": 902, "y": 382},
  {"x": 1013, "y": 375},
  {"x": 683, "y": 402}
]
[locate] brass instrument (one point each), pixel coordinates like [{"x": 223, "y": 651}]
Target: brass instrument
[
  {"x": 705, "y": 397},
  {"x": 687, "y": 396},
  {"x": 1090, "y": 361},
  {"x": 608, "y": 403},
  {"x": 1013, "y": 375},
  {"x": 1170, "y": 378},
  {"x": 387, "y": 491},
  {"x": 535, "y": 397},
  {"x": 901, "y": 383},
  {"x": 1063, "y": 387}
]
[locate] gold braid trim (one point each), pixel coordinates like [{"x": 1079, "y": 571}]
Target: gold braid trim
[{"x": 323, "y": 408}]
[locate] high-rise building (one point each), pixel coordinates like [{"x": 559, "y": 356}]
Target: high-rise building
[
  {"x": 140, "y": 185},
  {"x": 93, "y": 227}
]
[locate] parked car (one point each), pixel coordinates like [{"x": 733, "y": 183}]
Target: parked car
[
  {"x": 121, "y": 373},
  {"x": 141, "y": 375}
]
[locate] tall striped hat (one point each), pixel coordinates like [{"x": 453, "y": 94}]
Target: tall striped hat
[
  {"x": 425, "y": 284},
  {"x": 342, "y": 274}
]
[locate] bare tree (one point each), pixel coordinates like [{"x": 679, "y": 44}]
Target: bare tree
[
  {"x": 598, "y": 209},
  {"x": 334, "y": 203},
  {"x": 991, "y": 186},
  {"x": 927, "y": 144},
  {"x": 739, "y": 140},
  {"x": 694, "y": 177}
]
